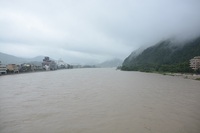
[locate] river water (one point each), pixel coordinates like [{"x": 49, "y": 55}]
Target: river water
[{"x": 98, "y": 101}]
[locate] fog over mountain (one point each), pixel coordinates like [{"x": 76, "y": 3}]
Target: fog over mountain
[
  {"x": 10, "y": 59},
  {"x": 167, "y": 55},
  {"x": 111, "y": 63},
  {"x": 90, "y": 32}
]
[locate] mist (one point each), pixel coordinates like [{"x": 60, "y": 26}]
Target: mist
[{"x": 88, "y": 32}]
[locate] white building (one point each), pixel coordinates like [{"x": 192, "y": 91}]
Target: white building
[
  {"x": 3, "y": 69},
  {"x": 195, "y": 63}
]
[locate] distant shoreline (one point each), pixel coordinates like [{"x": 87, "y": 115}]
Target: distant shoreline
[
  {"x": 192, "y": 76},
  {"x": 30, "y": 72},
  {"x": 184, "y": 75}
]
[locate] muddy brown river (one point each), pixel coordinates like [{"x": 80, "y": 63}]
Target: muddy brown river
[{"x": 98, "y": 101}]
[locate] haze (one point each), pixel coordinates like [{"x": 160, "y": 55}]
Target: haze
[{"x": 92, "y": 31}]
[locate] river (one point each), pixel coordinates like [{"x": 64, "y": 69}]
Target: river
[{"x": 98, "y": 100}]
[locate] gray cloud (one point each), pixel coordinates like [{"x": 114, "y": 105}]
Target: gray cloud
[{"x": 86, "y": 31}]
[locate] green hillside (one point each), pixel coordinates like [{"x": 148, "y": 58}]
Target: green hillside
[{"x": 166, "y": 56}]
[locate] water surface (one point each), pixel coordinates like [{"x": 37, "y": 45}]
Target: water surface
[{"x": 98, "y": 101}]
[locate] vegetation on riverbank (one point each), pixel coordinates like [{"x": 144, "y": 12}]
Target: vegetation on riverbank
[{"x": 166, "y": 56}]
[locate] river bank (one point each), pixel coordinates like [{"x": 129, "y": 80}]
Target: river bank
[{"x": 184, "y": 75}]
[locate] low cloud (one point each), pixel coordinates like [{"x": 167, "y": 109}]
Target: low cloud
[{"x": 93, "y": 31}]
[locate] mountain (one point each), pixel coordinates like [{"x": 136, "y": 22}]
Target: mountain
[
  {"x": 111, "y": 63},
  {"x": 10, "y": 59},
  {"x": 37, "y": 58},
  {"x": 166, "y": 55}
]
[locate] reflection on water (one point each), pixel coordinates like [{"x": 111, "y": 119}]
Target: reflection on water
[{"x": 98, "y": 101}]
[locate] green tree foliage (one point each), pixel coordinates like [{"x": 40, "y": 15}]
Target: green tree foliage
[{"x": 165, "y": 56}]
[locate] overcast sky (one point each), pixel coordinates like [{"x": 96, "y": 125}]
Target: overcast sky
[{"x": 91, "y": 31}]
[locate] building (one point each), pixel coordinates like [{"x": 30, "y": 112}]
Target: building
[
  {"x": 62, "y": 65},
  {"x": 12, "y": 68},
  {"x": 48, "y": 64},
  {"x": 195, "y": 63},
  {"x": 3, "y": 69}
]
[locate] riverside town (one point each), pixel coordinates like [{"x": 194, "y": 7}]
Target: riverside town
[{"x": 45, "y": 65}]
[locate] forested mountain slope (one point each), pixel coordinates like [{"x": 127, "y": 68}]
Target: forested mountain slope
[{"x": 167, "y": 55}]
